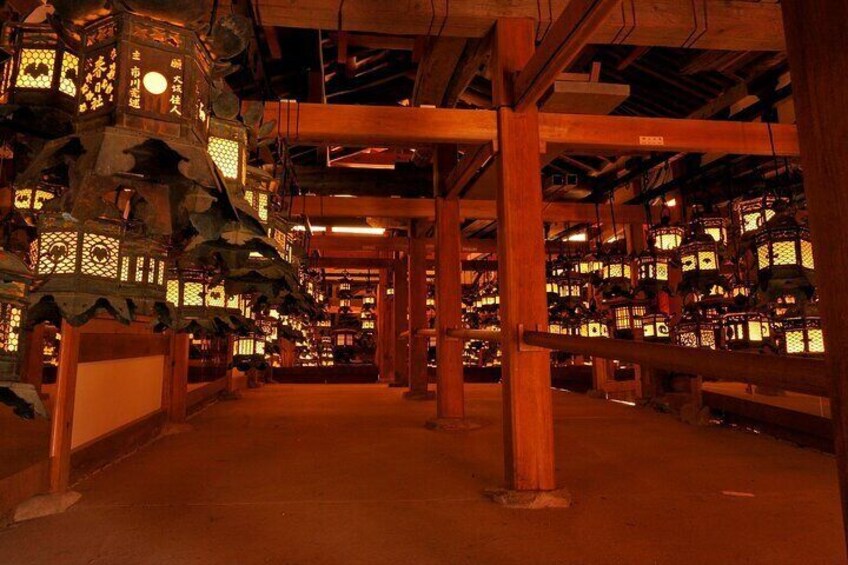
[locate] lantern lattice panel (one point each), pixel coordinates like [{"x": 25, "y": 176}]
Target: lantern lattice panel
[
  {"x": 32, "y": 198},
  {"x": 225, "y": 154},
  {"x": 10, "y": 328},
  {"x": 99, "y": 256},
  {"x": 68, "y": 74},
  {"x": 57, "y": 253},
  {"x": 36, "y": 68}
]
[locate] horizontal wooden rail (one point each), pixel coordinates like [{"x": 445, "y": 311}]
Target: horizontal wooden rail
[
  {"x": 482, "y": 335},
  {"x": 404, "y": 334},
  {"x": 425, "y": 332},
  {"x": 802, "y": 375}
]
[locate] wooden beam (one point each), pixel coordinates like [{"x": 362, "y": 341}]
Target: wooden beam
[
  {"x": 567, "y": 38},
  {"x": 613, "y": 134},
  {"x": 424, "y": 209},
  {"x": 441, "y": 56},
  {"x": 702, "y": 24},
  {"x": 818, "y": 58},
  {"x": 385, "y": 125},
  {"x": 402, "y": 181},
  {"x": 528, "y": 404},
  {"x": 467, "y": 170},
  {"x": 351, "y": 263},
  {"x": 806, "y": 376}
]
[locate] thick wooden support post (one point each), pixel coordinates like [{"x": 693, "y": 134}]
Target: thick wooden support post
[
  {"x": 528, "y": 409},
  {"x": 177, "y": 409},
  {"x": 818, "y": 59},
  {"x": 385, "y": 322},
  {"x": 450, "y": 402},
  {"x": 63, "y": 409},
  {"x": 231, "y": 386},
  {"x": 401, "y": 305},
  {"x": 33, "y": 367},
  {"x": 417, "y": 318}
]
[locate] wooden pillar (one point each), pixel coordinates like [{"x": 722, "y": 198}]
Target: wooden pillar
[
  {"x": 33, "y": 368},
  {"x": 63, "y": 409},
  {"x": 603, "y": 370},
  {"x": 417, "y": 315},
  {"x": 177, "y": 409},
  {"x": 231, "y": 387},
  {"x": 526, "y": 371},
  {"x": 818, "y": 60},
  {"x": 385, "y": 328},
  {"x": 450, "y": 401},
  {"x": 401, "y": 323}
]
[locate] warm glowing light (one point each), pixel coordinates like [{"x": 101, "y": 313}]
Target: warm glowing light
[
  {"x": 155, "y": 83},
  {"x": 578, "y": 237},
  {"x": 358, "y": 230}
]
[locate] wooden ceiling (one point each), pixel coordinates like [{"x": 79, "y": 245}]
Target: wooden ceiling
[{"x": 704, "y": 59}]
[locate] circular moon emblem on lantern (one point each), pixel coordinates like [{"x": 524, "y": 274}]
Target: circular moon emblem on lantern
[
  {"x": 155, "y": 83},
  {"x": 99, "y": 254}
]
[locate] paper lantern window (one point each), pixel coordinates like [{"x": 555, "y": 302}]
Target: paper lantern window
[
  {"x": 745, "y": 329},
  {"x": 594, "y": 327},
  {"x": 14, "y": 279},
  {"x": 696, "y": 333},
  {"x": 785, "y": 246},
  {"x": 666, "y": 238},
  {"x": 390, "y": 291},
  {"x": 754, "y": 213},
  {"x": 227, "y": 147},
  {"x": 570, "y": 288},
  {"x": 655, "y": 327},
  {"x": 616, "y": 268},
  {"x": 36, "y": 68},
  {"x": 588, "y": 265},
  {"x": 627, "y": 316},
  {"x": 652, "y": 268},
  {"x": 33, "y": 198},
  {"x": 713, "y": 226},
  {"x": 699, "y": 257},
  {"x": 803, "y": 336}
]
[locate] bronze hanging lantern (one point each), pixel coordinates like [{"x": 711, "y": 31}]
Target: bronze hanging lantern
[
  {"x": 666, "y": 237},
  {"x": 754, "y": 213},
  {"x": 745, "y": 330},
  {"x": 14, "y": 285},
  {"x": 784, "y": 252},
  {"x": 626, "y": 316},
  {"x": 802, "y": 336},
  {"x": 696, "y": 330},
  {"x": 655, "y": 327},
  {"x": 227, "y": 147}
]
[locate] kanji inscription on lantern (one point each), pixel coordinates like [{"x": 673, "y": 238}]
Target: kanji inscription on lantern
[{"x": 98, "y": 88}]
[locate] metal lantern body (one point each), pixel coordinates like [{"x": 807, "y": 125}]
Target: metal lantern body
[
  {"x": 700, "y": 267},
  {"x": 713, "y": 226},
  {"x": 198, "y": 295},
  {"x": 754, "y": 213},
  {"x": 260, "y": 188},
  {"x": 249, "y": 350},
  {"x": 666, "y": 237},
  {"x": 135, "y": 70},
  {"x": 655, "y": 328},
  {"x": 594, "y": 325},
  {"x": 652, "y": 270},
  {"x": 785, "y": 255},
  {"x": 14, "y": 280},
  {"x": 589, "y": 264},
  {"x": 29, "y": 199},
  {"x": 227, "y": 147},
  {"x": 745, "y": 330},
  {"x": 570, "y": 287},
  {"x": 369, "y": 301},
  {"x": 802, "y": 335},
  {"x": 695, "y": 330},
  {"x": 81, "y": 261},
  {"x": 626, "y": 316}
]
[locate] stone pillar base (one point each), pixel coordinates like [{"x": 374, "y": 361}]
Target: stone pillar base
[
  {"x": 453, "y": 424},
  {"x": 530, "y": 499},
  {"x": 45, "y": 505}
]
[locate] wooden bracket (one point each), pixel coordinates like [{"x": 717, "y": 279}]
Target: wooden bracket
[{"x": 525, "y": 347}]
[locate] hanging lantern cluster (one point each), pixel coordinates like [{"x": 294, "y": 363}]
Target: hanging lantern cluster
[{"x": 15, "y": 278}]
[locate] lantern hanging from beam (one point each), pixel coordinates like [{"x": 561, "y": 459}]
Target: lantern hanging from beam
[
  {"x": 713, "y": 226},
  {"x": 785, "y": 255},
  {"x": 260, "y": 191},
  {"x": 594, "y": 324},
  {"x": 14, "y": 280},
  {"x": 626, "y": 316},
  {"x": 696, "y": 330},
  {"x": 802, "y": 336},
  {"x": 655, "y": 328},
  {"x": 198, "y": 297},
  {"x": 745, "y": 330},
  {"x": 652, "y": 270},
  {"x": 754, "y": 213},
  {"x": 666, "y": 237}
]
